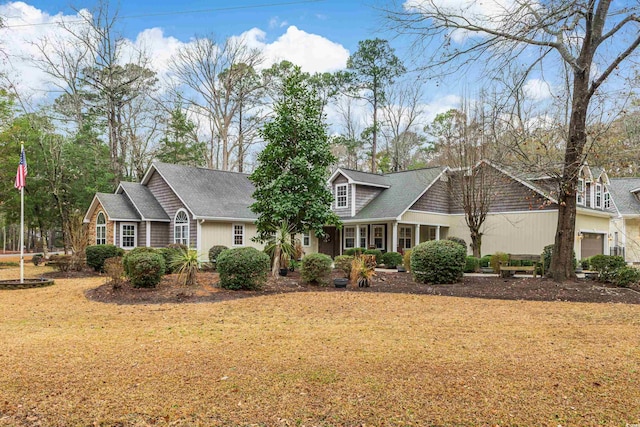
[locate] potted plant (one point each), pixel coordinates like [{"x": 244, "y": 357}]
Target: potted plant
[
  {"x": 284, "y": 264},
  {"x": 401, "y": 269}
]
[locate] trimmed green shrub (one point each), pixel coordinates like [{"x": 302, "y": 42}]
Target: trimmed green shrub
[
  {"x": 625, "y": 276},
  {"x": 485, "y": 261},
  {"x": 316, "y": 268},
  {"x": 145, "y": 269},
  {"x": 36, "y": 259},
  {"x": 126, "y": 259},
  {"x": 376, "y": 252},
  {"x": 391, "y": 259},
  {"x": 96, "y": 254},
  {"x": 547, "y": 253},
  {"x": 354, "y": 251},
  {"x": 168, "y": 254},
  {"x": 584, "y": 263},
  {"x": 406, "y": 259},
  {"x": 606, "y": 266},
  {"x": 472, "y": 264},
  {"x": 214, "y": 252},
  {"x": 497, "y": 259},
  {"x": 438, "y": 261},
  {"x": 243, "y": 268},
  {"x": 343, "y": 263},
  {"x": 458, "y": 240}
]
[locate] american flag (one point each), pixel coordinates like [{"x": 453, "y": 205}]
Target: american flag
[{"x": 21, "y": 176}]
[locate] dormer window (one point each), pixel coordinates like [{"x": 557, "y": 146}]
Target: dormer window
[
  {"x": 607, "y": 200},
  {"x": 341, "y": 196},
  {"x": 580, "y": 193},
  {"x": 598, "y": 196}
]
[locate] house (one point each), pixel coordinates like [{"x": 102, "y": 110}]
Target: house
[
  {"x": 201, "y": 208},
  {"x": 625, "y": 226}
]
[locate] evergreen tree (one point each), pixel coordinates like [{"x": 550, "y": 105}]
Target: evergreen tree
[{"x": 292, "y": 170}]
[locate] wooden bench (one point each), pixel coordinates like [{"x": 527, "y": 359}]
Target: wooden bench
[{"x": 506, "y": 269}]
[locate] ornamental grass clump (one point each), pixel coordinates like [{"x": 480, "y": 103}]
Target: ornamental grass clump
[
  {"x": 243, "y": 268},
  {"x": 438, "y": 262}
]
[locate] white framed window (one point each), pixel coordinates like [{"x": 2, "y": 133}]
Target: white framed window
[
  {"x": 349, "y": 237},
  {"x": 238, "y": 235},
  {"x": 378, "y": 236},
  {"x": 405, "y": 234},
  {"x": 580, "y": 192},
  {"x": 598, "y": 195},
  {"x": 181, "y": 228},
  {"x": 607, "y": 200},
  {"x": 341, "y": 195},
  {"x": 128, "y": 235},
  {"x": 363, "y": 236},
  {"x": 101, "y": 229},
  {"x": 306, "y": 238}
]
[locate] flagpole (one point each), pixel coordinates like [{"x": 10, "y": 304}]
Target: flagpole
[{"x": 22, "y": 227}]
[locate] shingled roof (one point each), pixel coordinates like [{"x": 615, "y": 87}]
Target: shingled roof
[
  {"x": 621, "y": 193},
  {"x": 143, "y": 201},
  {"x": 401, "y": 190},
  {"x": 208, "y": 193},
  {"x": 117, "y": 207}
]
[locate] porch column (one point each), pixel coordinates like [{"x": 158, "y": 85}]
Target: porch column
[
  {"x": 356, "y": 244},
  {"x": 394, "y": 237},
  {"x": 417, "y": 232},
  {"x": 115, "y": 234},
  {"x": 437, "y": 232},
  {"x": 148, "y": 235}
]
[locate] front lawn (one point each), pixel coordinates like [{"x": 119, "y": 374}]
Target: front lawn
[{"x": 314, "y": 359}]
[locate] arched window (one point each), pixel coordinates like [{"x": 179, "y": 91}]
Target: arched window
[
  {"x": 101, "y": 229},
  {"x": 181, "y": 228}
]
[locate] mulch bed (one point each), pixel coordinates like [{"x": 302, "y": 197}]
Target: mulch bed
[{"x": 490, "y": 286}]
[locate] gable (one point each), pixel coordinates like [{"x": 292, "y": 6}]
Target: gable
[{"x": 435, "y": 199}]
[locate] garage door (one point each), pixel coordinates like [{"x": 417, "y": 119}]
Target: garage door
[{"x": 592, "y": 244}]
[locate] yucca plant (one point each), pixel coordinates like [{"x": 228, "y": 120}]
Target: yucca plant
[
  {"x": 186, "y": 264},
  {"x": 362, "y": 271},
  {"x": 282, "y": 247}
]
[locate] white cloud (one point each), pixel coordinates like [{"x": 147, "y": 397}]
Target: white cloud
[
  {"x": 311, "y": 52},
  {"x": 537, "y": 90}
]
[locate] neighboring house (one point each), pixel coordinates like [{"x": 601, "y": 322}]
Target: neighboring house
[
  {"x": 625, "y": 227},
  {"x": 392, "y": 212}
]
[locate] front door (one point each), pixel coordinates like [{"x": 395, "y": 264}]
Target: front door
[{"x": 330, "y": 245}]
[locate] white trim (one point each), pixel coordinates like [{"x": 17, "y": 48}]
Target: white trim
[
  {"x": 417, "y": 235},
  {"x": 346, "y": 196},
  {"x": 580, "y": 194},
  {"x": 598, "y": 189},
  {"x": 188, "y": 226},
  {"x": 373, "y": 235},
  {"x": 592, "y": 188},
  {"x": 199, "y": 236},
  {"x": 103, "y": 226},
  {"x": 394, "y": 237},
  {"x": 411, "y": 236},
  {"x": 115, "y": 234},
  {"x": 350, "y": 180},
  {"x": 353, "y": 200},
  {"x": 344, "y": 236},
  {"x": 366, "y": 236},
  {"x": 233, "y": 235},
  {"x": 135, "y": 234},
  {"x": 368, "y": 220},
  {"x": 229, "y": 219},
  {"x": 87, "y": 217},
  {"x": 148, "y": 233}
]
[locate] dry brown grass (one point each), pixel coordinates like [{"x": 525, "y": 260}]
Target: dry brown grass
[{"x": 315, "y": 359}]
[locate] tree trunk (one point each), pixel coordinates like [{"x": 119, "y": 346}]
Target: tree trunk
[
  {"x": 476, "y": 243},
  {"x": 374, "y": 142},
  {"x": 562, "y": 259}
]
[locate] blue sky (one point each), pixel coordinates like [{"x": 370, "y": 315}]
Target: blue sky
[{"x": 344, "y": 22}]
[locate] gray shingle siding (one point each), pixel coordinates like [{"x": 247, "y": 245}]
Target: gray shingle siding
[
  {"x": 342, "y": 212},
  {"x": 365, "y": 194},
  {"x": 171, "y": 204},
  {"x": 435, "y": 199},
  {"x": 159, "y": 234}
]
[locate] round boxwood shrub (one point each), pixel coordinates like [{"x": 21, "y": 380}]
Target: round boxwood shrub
[
  {"x": 438, "y": 261},
  {"x": 485, "y": 261},
  {"x": 343, "y": 263},
  {"x": 606, "y": 266},
  {"x": 243, "y": 268},
  {"x": 126, "y": 260},
  {"x": 316, "y": 268},
  {"x": 391, "y": 259},
  {"x": 145, "y": 269},
  {"x": 625, "y": 276},
  {"x": 376, "y": 252},
  {"x": 96, "y": 254},
  {"x": 214, "y": 252},
  {"x": 472, "y": 264}
]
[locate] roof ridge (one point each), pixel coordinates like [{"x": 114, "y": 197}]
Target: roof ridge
[{"x": 203, "y": 168}]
